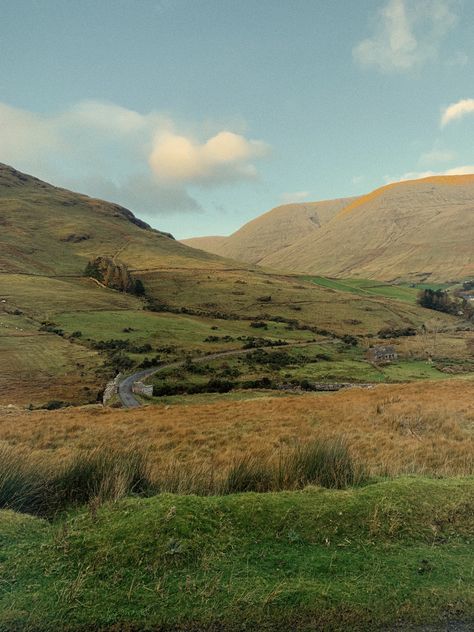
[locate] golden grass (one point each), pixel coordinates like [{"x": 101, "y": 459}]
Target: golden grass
[{"x": 425, "y": 427}]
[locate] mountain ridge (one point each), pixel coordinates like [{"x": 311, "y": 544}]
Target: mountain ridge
[{"x": 415, "y": 230}]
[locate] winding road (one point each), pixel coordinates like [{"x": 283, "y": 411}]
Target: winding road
[{"x": 125, "y": 389}]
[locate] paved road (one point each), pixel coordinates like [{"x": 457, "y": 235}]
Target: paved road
[{"x": 125, "y": 391}]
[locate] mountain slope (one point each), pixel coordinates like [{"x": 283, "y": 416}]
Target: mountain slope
[
  {"x": 416, "y": 230},
  {"x": 54, "y": 318},
  {"x": 48, "y": 230},
  {"x": 272, "y": 231}
]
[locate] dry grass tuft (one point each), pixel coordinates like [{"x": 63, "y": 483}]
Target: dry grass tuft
[{"x": 393, "y": 429}]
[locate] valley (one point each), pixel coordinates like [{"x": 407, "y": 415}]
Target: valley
[{"x": 267, "y": 401}]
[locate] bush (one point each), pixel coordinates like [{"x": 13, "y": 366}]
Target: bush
[
  {"x": 259, "y": 324},
  {"x": 390, "y": 332},
  {"x": 274, "y": 360},
  {"x": 350, "y": 340},
  {"x": 55, "y": 404},
  {"x": 138, "y": 288}
]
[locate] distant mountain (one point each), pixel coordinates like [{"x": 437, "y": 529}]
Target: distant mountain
[
  {"x": 416, "y": 230},
  {"x": 272, "y": 231}
]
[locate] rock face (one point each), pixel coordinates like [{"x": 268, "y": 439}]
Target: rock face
[{"x": 113, "y": 274}]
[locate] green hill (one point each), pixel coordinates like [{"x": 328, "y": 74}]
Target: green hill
[{"x": 52, "y": 313}]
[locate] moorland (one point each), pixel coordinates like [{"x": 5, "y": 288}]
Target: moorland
[{"x": 241, "y": 495}]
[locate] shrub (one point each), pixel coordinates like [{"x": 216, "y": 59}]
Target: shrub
[
  {"x": 259, "y": 324},
  {"x": 390, "y": 332},
  {"x": 137, "y": 288},
  {"x": 55, "y": 404},
  {"x": 349, "y": 340}
]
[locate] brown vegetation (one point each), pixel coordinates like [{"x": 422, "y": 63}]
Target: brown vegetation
[
  {"x": 415, "y": 230},
  {"x": 425, "y": 428}
]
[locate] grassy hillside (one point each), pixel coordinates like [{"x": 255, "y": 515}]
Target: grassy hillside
[
  {"x": 417, "y": 231},
  {"x": 48, "y": 237},
  {"x": 311, "y": 560},
  {"x": 272, "y": 231}
]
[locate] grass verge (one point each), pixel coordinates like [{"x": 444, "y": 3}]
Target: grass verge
[{"x": 396, "y": 552}]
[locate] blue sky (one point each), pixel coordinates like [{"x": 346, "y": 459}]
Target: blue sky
[{"x": 201, "y": 114}]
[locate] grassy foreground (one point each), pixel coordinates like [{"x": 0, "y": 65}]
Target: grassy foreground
[{"x": 362, "y": 559}]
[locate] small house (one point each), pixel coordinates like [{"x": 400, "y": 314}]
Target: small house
[{"x": 382, "y": 353}]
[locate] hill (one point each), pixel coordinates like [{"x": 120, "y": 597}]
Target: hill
[
  {"x": 414, "y": 231},
  {"x": 65, "y": 326},
  {"x": 272, "y": 231}
]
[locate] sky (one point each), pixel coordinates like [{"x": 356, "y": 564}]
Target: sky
[{"x": 200, "y": 115}]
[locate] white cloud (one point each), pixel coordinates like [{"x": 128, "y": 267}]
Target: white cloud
[
  {"x": 406, "y": 34},
  {"x": 417, "y": 175},
  {"x": 295, "y": 197},
  {"x": 225, "y": 156},
  {"x": 457, "y": 110},
  {"x": 136, "y": 159}
]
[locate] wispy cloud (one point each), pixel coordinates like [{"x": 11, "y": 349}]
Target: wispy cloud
[
  {"x": 140, "y": 160},
  {"x": 416, "y": 175},
  {"x": 457, "y": 110},
  {"x": 406, "y": 34}
]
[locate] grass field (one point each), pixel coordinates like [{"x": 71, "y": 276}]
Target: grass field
[
  {"x": 78, "y": 304},
  {"x": 424, "y": 427},
  {"x": 367, "y": 287},
  {"x": 313, "y": 560}
]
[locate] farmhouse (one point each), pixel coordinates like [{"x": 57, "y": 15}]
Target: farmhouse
[{"x": 384, "y": 353}]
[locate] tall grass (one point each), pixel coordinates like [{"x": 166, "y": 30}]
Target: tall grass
[
  {"x": 32, "y": 485},
  {"x": 324, "y": 462},
  {"x": 22, "y": 481}
]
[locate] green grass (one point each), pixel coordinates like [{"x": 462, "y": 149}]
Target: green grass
[
  {"x": 161, "y": 329},
  {"x": 411, "y": 370},
  {"x": 395, "y": 552},
  {"x": 366, "y": 287}
]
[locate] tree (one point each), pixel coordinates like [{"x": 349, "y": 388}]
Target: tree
[{"x": 138, "y": 288}]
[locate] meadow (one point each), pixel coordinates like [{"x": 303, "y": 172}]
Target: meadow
[{"x": 424, "y": 427}]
